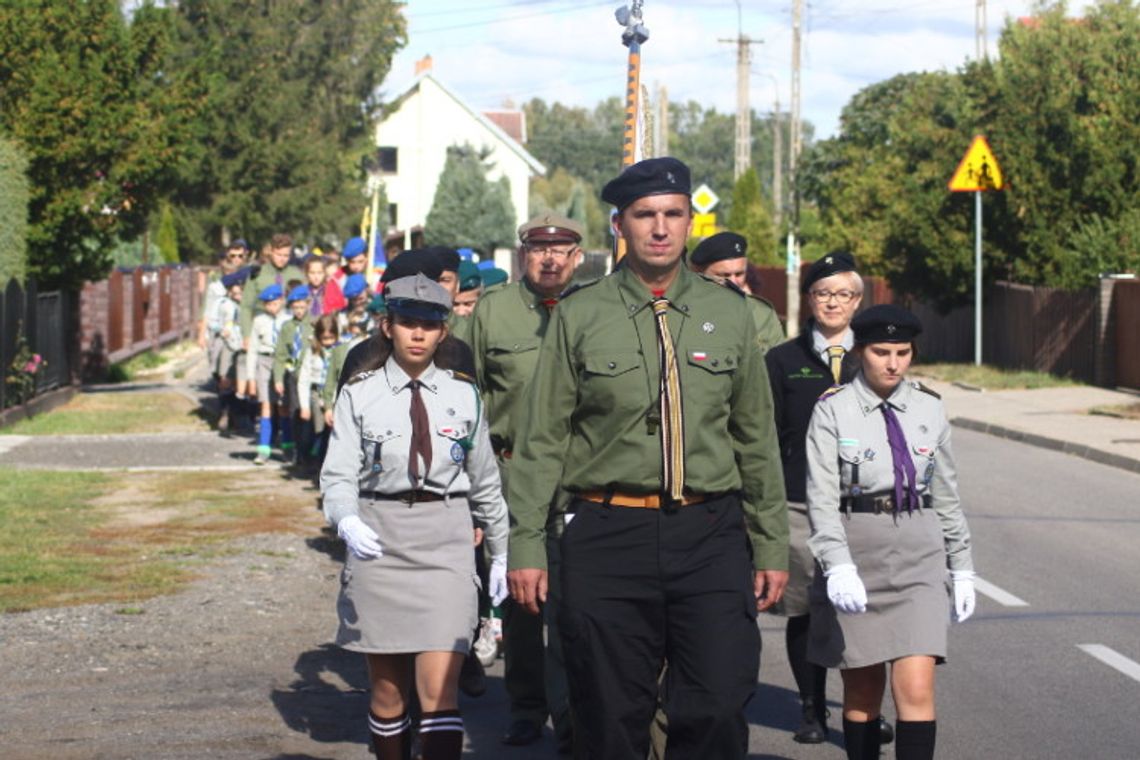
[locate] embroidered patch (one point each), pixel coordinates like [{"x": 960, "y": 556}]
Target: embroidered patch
[
  {"x": 925, "y": 451},
  {"x": 848, "y": 441},
  {"x": 457, "y": 453},
  {"x": 869, "y": 454},
  {"x": 929, "y": 474},
  {"x": 699, "y": 356},
  {"x": 450, "y": 432},
  {"x": 708, "y": 327}
]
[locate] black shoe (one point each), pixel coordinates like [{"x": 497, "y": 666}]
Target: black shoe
[
  {"x": 521, "y": 733},
  {"x": 886, "y": 732},
  {"x": 472, "y": 677},
  {"x": 813, "y": 724},
  {"x": 566, "y": 743}
]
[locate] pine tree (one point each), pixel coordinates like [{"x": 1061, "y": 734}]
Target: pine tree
[
  {"x": 468, "y": 211},
  {"x": 749, "y": 217}
]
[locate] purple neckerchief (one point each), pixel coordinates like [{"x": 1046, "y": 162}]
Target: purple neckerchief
[
  {"x": 903, "y": 463},
  {"x": 317, "y": 305}
]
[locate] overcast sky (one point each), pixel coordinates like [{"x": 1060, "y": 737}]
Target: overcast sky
[{"x": 495, "y": 51}]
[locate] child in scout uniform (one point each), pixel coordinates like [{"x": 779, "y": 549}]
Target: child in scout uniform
[
  {"x": 409, "y": 468},
  {"x": 355, "y": 261},
  {"x": 291, "y": 340},
  {"x": 356, "y": 310},
  {"x": 229, "y": 365},
  {"x": 312, "y": 375},
  {"x": 470, "y": 287},
  {"x": 259, "y": 367},
  {"x": 325, "y": 296},
  {"x": 888, "y": 532}
]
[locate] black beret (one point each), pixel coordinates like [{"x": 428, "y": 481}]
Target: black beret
[
  {"x": 720, "y": 247},
  {"x": 413, "y": 262},
  {"x": 653, "y": 176},
  {"x": 825, "y": 266},
  {"x": 885, "y": 323},
  {"x": 448, "y": 257}
]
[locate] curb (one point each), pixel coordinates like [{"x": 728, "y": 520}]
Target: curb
[{"x": 1053, "y": 444}]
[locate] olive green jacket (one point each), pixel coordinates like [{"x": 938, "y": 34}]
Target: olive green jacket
[
  {"x": 266, "y": 276},
  {"x": 460, "y": 327},
  {"x": 769, "y": 331},
  {"x": 587, "y": 423},
  {"x": 288, "y": 351}
]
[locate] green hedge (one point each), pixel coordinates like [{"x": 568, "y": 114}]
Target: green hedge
[{"x": 13, "y": 211}]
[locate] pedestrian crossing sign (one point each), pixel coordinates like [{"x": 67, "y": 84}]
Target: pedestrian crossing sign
[{"x": 978, "y": 170}]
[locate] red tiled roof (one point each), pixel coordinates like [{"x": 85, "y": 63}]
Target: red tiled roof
[{"x": 511, "y": 122}]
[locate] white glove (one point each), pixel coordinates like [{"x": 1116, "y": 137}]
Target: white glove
[
  {"x": 361, "y": 540},
  {"x": 964, "y": 597},
  {"x": 846, "y": 590},
  {"x": 497, "y": 580}
]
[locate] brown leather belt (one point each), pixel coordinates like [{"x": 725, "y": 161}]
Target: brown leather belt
[
  {"x": 639, "y": 500},
  {"x": 411, "y": 497}
]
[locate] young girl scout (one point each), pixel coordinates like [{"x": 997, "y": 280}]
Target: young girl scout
[
  {"x": 409, "y": 463},
  {"x": 887, "y": 530}
]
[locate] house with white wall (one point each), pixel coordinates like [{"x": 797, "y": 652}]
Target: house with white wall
[{"x": 412, "y": 140}]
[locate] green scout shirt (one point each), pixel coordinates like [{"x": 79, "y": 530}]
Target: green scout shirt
[
  {"x": 288, "y": 350},
  {"x": 460, "y": 327},
  {"x": 336, "y": 364},
  {"x": 266, "y": 277},
  {"x": 585, "y": 426},
  {"x": 769, "y": 331}
]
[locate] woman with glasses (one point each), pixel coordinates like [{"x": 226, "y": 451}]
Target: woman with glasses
[{"x": 888, "y": 533}]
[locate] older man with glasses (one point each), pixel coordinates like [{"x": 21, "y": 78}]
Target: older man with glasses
[{"x": 799, "y": 371}]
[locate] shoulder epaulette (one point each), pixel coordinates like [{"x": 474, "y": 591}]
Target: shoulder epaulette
[
  {"x": 462, "y": 376},
  {"x": 831, "y": 391},
  {"x": 361, "y": 376},
  {"x": 722, "y": 283},
  {"x": 926, "y": 389},
  {"x": 575, "y": 287}
]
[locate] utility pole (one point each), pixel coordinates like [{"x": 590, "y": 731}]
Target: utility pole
[
  {"x": 777, "y": 155},
  {"x": 662, "y": 141},
  {"x": 793, "y": 315},
  {"x": 981, "y": 53},
  {"x": 744, "y": 45}
]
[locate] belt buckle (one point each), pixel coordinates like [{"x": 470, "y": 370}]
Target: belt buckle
[{"x": 883, "y": 504}]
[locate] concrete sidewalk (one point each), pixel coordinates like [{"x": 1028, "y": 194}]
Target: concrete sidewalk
[{"x": 1053, "y": 418}]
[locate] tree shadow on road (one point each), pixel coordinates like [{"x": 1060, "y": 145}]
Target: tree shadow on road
[{"x": 331, "y": 689}]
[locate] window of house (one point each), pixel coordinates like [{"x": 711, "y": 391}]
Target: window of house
[{"x": 388, "y": 158}]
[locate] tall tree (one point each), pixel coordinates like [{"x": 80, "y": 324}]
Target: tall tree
[
  {"x": 13, "y": 212},
  {"x": 291, "y": 100},
  {"x": 749, "y": 217},
  {"x": 102, "y": 121},
  {"x": 468, "y": 210}
]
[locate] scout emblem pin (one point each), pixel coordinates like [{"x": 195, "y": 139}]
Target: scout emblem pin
[
  {"x": 457, "y": 453},
  {"x": 708, "y": 327}
]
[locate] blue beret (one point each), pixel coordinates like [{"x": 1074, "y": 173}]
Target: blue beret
[
  {"x": 653, "y": 176},
  {"x": 885, "y": 323},
  {"x": 235, "y": 278},
  {"x": 720, "y": 247},
  {"x": 271, "y": 293},
  {"x": 825, "y": 266},
  {"x": 354, "y": 247},
  {"x": 354, "y": 285},
  {"x": 413, "y": 262},
  {"x": 299, "y": 293}
]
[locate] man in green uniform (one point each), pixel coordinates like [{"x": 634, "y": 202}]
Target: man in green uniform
[
  {"x": 650, "y": 404},
  {"x": 506, "y": 329},
  {"x": 278, "y": 271},
  {"x": 723, "y": 257},
  {"x": 458, "y": 326}
]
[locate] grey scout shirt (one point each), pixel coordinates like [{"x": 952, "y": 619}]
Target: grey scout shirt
[
  {"x": 371, "y": 438},
  {"x": 848, "y": 428}
]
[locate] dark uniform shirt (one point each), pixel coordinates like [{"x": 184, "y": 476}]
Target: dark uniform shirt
[{"x": 799, "y": 377}]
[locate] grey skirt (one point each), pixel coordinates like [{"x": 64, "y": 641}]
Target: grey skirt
[
  {"x": 801, "y": 565},
  {"x": 902, "y": 563},
  {"x": 421, "y": 596}
]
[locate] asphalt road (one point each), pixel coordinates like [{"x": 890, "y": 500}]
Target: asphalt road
[{"x": 1062, "y": 535}]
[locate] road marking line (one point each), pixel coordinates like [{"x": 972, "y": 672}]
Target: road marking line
[
  {"x": 1001, "y": 596},
  {"x": 1113, "y": 659}
]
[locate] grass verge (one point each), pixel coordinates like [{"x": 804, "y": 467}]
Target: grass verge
[
  {"x": 991, "y": 378},
  {"x": 80, "y": 537},
  {"x": 114, "y": 412},
  {"x": 1123, "y": 411}
]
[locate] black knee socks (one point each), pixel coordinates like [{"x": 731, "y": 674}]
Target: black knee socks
[
  {"x": 391, "y": 737},
  {"x": 914, "y": 739},
  {"x": 861, "y": 740},
  {"x": 811, "y": 680},
  {"x": 441, "y": 735}
]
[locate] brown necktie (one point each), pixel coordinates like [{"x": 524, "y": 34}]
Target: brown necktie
[
  {"x": 835, "y": 360},
  {"x": 421, "y": 436},
  {"x": 672, "y": 420}
]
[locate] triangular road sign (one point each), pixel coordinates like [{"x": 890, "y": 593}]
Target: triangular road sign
[{"x": 978, "y": 171}]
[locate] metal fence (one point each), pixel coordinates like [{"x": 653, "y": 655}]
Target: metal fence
[{"x": 41, "y": 322}]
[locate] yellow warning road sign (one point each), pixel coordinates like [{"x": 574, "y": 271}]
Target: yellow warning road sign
[{"x": 978, "y": 171}]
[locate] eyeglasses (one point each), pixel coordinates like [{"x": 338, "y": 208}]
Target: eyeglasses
[
  {"x": 550, "y": 250},
  {"x": 841, "y": 296}
]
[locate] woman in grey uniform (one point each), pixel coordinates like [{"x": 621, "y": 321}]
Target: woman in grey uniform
[
  {"x": 887, "y": 524},
  {"x": 409, "y": 452}
]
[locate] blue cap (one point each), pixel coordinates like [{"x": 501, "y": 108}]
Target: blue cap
[
  {"x": 354, "y": 247},
  {"x": 239, "y": 243},
  {"x": 235, "y": 278},
  {"x": 653, "y": 176},
  {"x": 299, "y": 293},
  {"x": 271, "y": 293},
  {"x": 354, "y": 285}
]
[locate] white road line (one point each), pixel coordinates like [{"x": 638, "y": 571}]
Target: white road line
[
  {"x": 1113, "y": 659},
  {"x": 1001, "y": 596}
]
